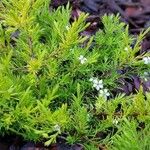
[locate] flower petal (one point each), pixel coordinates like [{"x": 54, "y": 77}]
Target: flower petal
[
  {"x": 95, "y": 81},
  {"x": 81, "y": 57}
]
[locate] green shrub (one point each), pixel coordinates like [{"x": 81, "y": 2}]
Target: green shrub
[{"x": 53, "y": 81}]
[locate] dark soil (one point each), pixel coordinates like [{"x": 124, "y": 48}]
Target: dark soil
[{"x": 136, "y": 13}]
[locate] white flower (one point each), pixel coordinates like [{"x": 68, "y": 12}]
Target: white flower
[
  {"x": 88, "y": 117},
  {"x": 67, "y": 28},
  {"x": 146, "y": 73},
  {"x": 98, "y": 84},
  {"x": 115, "y": 121},
  {"x": 145, "y": 76},
  {"x": 57, "y": 128},
  {"x": 126, "y": 48},
  {"x": 82, "y": 59},
  {"x": 146, "y": 60},
  {"x": 91, "y": 79},
  {"x": 104, "y": 93}
]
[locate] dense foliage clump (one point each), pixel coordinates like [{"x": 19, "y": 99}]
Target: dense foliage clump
[{"x": 53, "y": 80}]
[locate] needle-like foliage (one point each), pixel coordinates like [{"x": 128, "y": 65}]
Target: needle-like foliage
[{"x": 53, "y": 80}]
